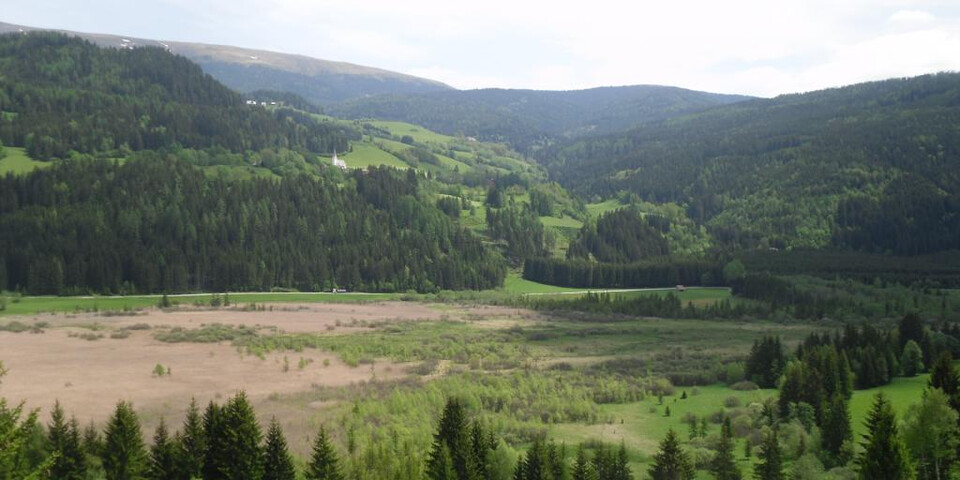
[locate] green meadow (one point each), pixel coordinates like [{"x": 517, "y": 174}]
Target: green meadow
[{"x": 16, "y": 161}]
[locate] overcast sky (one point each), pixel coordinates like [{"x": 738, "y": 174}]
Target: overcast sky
[{"x": 756, "y": 47}]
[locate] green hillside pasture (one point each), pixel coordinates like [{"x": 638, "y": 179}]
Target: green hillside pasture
[
  {"x": 902, "y": 393},
  {"x": 364, "y": 155},
  {"x": 597, "y": 209},
  {"x": 418, "y": 133},
  {"x": 40, "y": 305},
  {"x": 17, "y": 162},
  {"x": 515, "y": 283}
]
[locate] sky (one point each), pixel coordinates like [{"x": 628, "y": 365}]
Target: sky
[{"x": 753, "y": 47}]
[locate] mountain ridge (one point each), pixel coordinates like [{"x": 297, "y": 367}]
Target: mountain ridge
[{"x": 318, "y": 80}]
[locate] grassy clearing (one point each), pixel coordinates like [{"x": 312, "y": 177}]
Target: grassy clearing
[
  {"x": 565, "y": 222},
  {"x": 418, "y": 133},
  {"x": 39, "y": 305},
  {"x": 902, "y": 392},
  {"x": 515, "y": 283},
  {"x": 17, "y": 161},
  {"x": 364, "y": 155},
  {"x": 596, "y": 209}
]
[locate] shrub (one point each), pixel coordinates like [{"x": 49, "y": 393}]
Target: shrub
[
  {"x": 732, "y": 402},
  {"x": 745, "y": 386}
]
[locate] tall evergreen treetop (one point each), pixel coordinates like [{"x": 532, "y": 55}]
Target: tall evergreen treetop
[
  {"x": 124, "y": 454},
  {"x": 884, "y": 456},
  {"x": 671, "y": 462},
  {"x": 277, "y": 462},
  {"x": 324, "y": 463}
]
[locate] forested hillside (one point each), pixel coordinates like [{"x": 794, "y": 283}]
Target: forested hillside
[
  {"x": 60, "y": 95},
  {"x": 874, "y": 167},
  {"x": 158, "y": 224},
  {"x": 524, "y": 118}
]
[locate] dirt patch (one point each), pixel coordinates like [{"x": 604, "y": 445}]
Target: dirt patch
[{"x": 89, "y": 377}]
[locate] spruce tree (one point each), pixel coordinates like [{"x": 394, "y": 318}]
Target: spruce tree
[
  {"x": 770, "y": 466},
  {"x": 884, "y": 456},
  {"x": 944, "y": 376},
  {"x": 724, "y": 466},
  {"x": 124, "y": 455},
  {"x": 621, "y": 465},
  {"x": 581, "y": 466},
  {"x": 191, "y": 444},
  {"x": 63, "y": 440},
  {"x": 480, "y": 449},
  {"x": 214, "y": 441},
  {"x": 241, "y": 443},
  {"x": 836, "y": 432},
  {"x": 163, "y": 455},
  {"x": 277, "y": 462},
  {"x": 671, "y": 462},
  {"x": 324, "y": 464},
  {"x": 452, "y": 433}
]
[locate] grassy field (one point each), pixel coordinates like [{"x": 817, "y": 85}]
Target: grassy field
[
  {"x": 902, "y": 393},
  {"x": 565, "y": 222},
  {"x": 17, "y": 162},
  {"x": 39, "y": 305},
  {"x": 418, "y": 133},
  {"x": 514, "y": 283},
  {"x": 596, "y": 209},
  {"x": 364, "y": 155}
]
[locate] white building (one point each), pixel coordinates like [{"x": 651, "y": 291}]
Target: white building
[{"x": 337, "y": 162}]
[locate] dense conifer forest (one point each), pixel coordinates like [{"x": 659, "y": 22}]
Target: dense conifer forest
[
  {"x": 61, "y": 95},
  {"x": 158, "y": 224}
]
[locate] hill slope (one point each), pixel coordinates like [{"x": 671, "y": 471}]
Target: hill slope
[
  {"x": 522, "y": 117},
  {"x": 247, "y": 70},
  {"x": 874, "y": 166}
]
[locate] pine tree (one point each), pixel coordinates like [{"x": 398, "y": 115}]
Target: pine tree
[
  {"x": 163, "y": 455},
  {"x": 621, "y": 466},
  {"x": 884, "y": 456},
  {"x": 452, "y": 433},
  {"x": 124, "y": 455},
  {"x": 724, "y": 466},
  {"x": 671, "y": 462},
  {"x": 191, "y": 444},
  {"x": 836, "y": 432},
  {"x": 480, "y": 449},
  {"x": 944, "y": 376},
  {"x": 277, "y": 463},
  {"x": 63, "y": 440},
  {"x": 324, "y": 464},
  {"x": 581, "y": 466},
  {"x": 770, "y": 466},
  {"x": 214, "y": 440},
  {"x": 243, "y": 457}
]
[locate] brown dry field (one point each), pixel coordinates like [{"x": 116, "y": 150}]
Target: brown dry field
[{"x": 89, "y": 377}]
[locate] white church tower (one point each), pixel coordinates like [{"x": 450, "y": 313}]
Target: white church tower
[{"x": 337, "y": 162}]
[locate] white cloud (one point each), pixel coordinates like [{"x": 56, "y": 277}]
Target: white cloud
[{"x": 911, "y": 17}]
